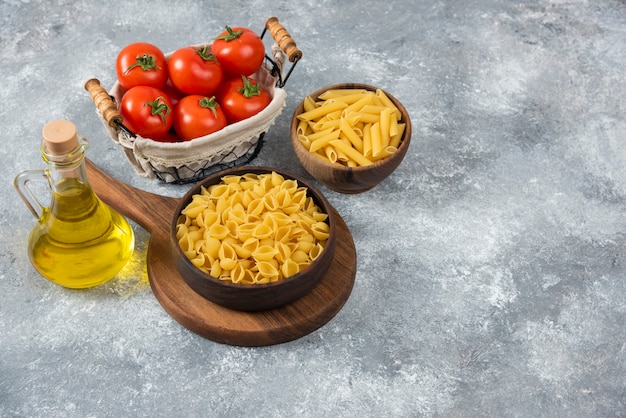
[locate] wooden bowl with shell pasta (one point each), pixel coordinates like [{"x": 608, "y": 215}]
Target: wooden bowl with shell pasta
[{"x": 250, "y": 229}]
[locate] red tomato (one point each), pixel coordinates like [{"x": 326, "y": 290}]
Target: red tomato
[
  {"x": 141, "y": 64},
  {"x": 197, "y": 116},
  {"x": 147, "y": 111},
  {"x": 168, "y": 137},
  {"x": 239, "y": 50},
  {"x": 195, "y": 70},
  {"x": 172, "y": 92},
  {"x": 241, "y": 98}
]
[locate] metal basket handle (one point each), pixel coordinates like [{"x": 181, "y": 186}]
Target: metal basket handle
[
  {"x": 286, "y": 43},
  {"x": 106, "y": 105}
]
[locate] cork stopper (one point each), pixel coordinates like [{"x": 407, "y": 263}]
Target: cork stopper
[{"x": 60, "y": 137}]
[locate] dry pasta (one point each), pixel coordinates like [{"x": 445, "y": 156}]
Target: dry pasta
[
  {"x": 351, "y": 127},
  {"x": 252, "y": 229}
]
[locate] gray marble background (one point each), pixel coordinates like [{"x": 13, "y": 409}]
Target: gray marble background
[{"x": 491, "y": 264}]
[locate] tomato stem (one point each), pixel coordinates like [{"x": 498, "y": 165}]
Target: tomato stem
[
  {"x": 205, "y": 53},
  {"x": 160, "y": 108},
  {"x": 209, "y": 104},
  {"x": 248, "y": 90},
  {"x": 145, "y": 61},
  {"x": 230, "y": 35}
]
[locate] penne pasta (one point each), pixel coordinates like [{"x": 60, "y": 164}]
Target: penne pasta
[
  {"x": 393, "y": 125},
  {"x": 397, "y": 138},
  {"x": 362, "y": 117},
  {"x": 386, "y": 101},
  {"x": 347, "y": 98},
  {"x": 351, "y": 152},
  {"x": 385, "y": 124},
  {"x": 325, "y": 109},
  {"x": 384, "y": 153},
  {"x": 358, "y": 105},
  {"x": 305, "y": 141},
  {"x": 322, "y": 141},
  {"x": 336, "y": 93},
  {"x": 341, "y": 157},
  {"x": 308, "y": 104},
  {"x": 331, "y": 153},
  {"x": 373, "y": 109},
  {"x": 367, "y": 141},
  {"x": 377, "y": 142},
  {"x": 327, "y": 124},
  {"x": 352, "y": 136},
  {"x": 319, "y": 134},
  {"x": 302, "y": 127},
  {"x": 366, "y": 123}
]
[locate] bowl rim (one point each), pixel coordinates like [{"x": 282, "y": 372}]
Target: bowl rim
[
  {"x": 312, "y": 191},
  {"x": 406, "y": 136}
]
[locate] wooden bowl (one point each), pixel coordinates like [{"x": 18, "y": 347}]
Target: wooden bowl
[
  {"x": 350, "y": 179},
  {"x": 255, "y": 297}
]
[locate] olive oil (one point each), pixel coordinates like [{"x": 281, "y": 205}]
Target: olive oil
[{"x": 78, "y": 241}]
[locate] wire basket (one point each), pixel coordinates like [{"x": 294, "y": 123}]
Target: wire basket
[{"x": 236, "y": 144}]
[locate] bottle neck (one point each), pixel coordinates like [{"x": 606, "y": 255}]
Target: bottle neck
[
  {"x": 65, "y": 169},
  {"x": 73, "y": 200}
]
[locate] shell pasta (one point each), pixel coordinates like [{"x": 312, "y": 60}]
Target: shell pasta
[
  {"x": 252, "y": 229},
  {"x": 351, "y": 127}
]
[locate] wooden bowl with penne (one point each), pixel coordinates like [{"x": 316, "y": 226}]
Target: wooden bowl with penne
[
  {"x": 253, "y": 238},
  {"x": 350, "y": 136}
]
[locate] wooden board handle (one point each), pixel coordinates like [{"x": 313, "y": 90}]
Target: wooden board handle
[
  {"x": 283, "y": 39},
  {"x": 104, "y": 103},
  {"x": 151, "y": 211}
]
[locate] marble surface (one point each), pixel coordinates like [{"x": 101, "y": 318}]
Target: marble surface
[{"x": 491, "y": 264}]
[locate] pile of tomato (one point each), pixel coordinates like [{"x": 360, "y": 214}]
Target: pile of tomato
[{"x": 197, "y": 91}]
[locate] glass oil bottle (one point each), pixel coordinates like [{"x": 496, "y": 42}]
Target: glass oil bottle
[{"x": 78, "y": 241}]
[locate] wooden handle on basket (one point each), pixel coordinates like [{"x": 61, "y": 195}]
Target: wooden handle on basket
[
  {"x": 283, "y": 39},
  {"x": 103, "y": 102}
]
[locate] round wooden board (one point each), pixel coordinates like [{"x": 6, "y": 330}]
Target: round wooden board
[
  {"x": 155, "y": 213},
  {"x": 263, "y": 328}
]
